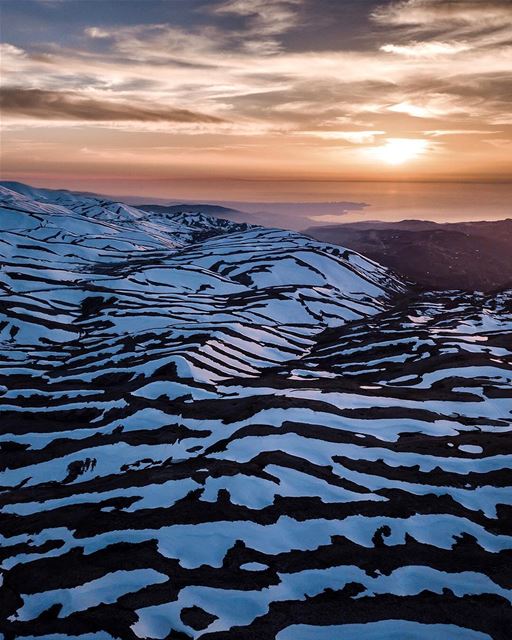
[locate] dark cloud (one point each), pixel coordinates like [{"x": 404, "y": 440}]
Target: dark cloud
[
  {"x": 313, "y": 101},
  {"x": 67, "y": 105},
  {"x": 488, "y": 86}
]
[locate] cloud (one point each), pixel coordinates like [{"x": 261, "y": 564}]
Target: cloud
[
  {"x": 462, "y": 25},
  {"x": 50, "y": 3},
  {"x": 438, "y": 133},
  {"x": 354, "y": 137},
  {"x": 10, "y": 51},
  {"x": 413, "y": 110},
  {"x": 257, "y": 72},
  {"x": 500, "y": 143},
  {"x": 475, "y": 14},
  {"x": 264, "y": 22},
  {"x": 266, "y": 17},
  {"x": 160, "y": 43},
  {"x": 430, "y": 49},
  {"x": 66, "y": 105},
  {"x": 431, "y": 106},
  {"x": 97, "y": 32},
  {"x": 255, "y": 29}
]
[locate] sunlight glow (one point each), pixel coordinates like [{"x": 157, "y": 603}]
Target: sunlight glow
[{"x": 399, "y": 150}]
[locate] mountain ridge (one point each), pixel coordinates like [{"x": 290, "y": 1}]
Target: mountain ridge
[{"x": 462, "y": 255}]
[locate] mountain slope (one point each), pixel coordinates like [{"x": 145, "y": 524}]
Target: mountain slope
[
  {"x": 463, "y": 255},
  {"x": 217, "y": 431},
  {"x": 215, "y": 210}
]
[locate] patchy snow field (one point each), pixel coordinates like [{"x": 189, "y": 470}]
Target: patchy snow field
[{"x": 224, "y": 432}]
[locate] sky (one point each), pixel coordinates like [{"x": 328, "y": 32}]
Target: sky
[{"x": 254, "y": 99}]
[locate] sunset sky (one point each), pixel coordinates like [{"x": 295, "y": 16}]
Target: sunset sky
[{"x": 219, "y": 97}]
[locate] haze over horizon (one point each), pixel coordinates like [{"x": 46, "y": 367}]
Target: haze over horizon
[{"x": 290, "y": 100}]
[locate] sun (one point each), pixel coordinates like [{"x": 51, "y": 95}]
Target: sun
[{"x": 399, "y": 150}]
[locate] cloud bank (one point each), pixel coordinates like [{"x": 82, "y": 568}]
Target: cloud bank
[{"x": 277, "y": 88}]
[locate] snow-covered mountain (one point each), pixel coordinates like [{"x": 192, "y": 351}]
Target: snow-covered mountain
[{"x": 221, "y": 431}]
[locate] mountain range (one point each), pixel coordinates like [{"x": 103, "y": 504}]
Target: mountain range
[
  {"x": 220, "y": 431},
  {"x": 460, "y": 255}
]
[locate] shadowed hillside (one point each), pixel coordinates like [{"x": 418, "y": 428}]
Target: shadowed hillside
[{"x": 474, "y": 256}]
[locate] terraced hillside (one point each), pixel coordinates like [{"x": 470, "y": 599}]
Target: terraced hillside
[{"x": 217, "y": 431}]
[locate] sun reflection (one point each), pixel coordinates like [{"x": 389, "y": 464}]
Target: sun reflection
[{"x": 399, "y": 150}]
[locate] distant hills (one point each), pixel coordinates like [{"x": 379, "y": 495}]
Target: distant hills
[
  {"x": 463, "y": 255},
  {"x": 285, "y": 215},
  {"x": 472, "y": 256},
  {"x": 215, "y": 210}
]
